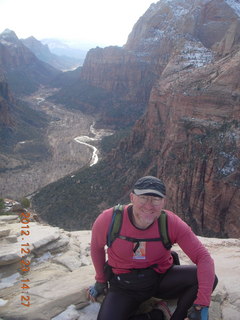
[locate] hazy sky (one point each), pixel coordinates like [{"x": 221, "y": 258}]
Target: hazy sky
[{"x": 102, "y": 22}]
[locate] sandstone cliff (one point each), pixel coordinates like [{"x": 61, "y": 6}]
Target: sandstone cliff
[
  {"x": 193, "y": 118},
  {"x": 193, "y": 125},
  {"x": 112, "y": 82},
  {"x": 168, "y": 28},
  {"x": 120, "y": 71},
  {"x": 58, "y": 269}
]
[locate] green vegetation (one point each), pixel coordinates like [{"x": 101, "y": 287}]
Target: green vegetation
[
  {"x": 110, "y": 142},
  {"x": 80, "y": 95},
  {"x": 25, "y": 79},
  {"x": 28, "y": 125},
  {"x": 25, "y": 202},
  {"x": 73, "y": 203},
  {"x": 33, "y": 150},
  {"x": 20, "y": 82},
  {"x": 90, "y": 99},
  {"x": 2, "y": 205}
]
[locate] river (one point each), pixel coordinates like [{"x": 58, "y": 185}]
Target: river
[
  {"x": 24, "y": 177},
  {"x": 98, "y": 135}
]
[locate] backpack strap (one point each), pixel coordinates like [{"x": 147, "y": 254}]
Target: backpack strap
[
  {"x": 163, "y": 229},
  {"x": 116, "y": 224}
]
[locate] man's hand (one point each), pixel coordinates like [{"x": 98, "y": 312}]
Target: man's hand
[
  {"x": 94, "y": 291},
  {"x": 198, "y": 313}
]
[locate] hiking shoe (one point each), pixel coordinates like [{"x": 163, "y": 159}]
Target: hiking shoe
[{"x": 162, "y": 305}]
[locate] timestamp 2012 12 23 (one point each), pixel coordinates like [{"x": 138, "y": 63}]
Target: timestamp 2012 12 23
[{"x": 25, "y": 262}]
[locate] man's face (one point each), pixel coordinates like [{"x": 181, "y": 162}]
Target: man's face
[{"x": 146, "y": 209}]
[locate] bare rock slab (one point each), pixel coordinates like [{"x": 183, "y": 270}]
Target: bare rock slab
[{"x": 52, "y": 297}]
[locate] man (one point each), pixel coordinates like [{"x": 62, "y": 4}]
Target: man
[{"x": 144, "y": 268}]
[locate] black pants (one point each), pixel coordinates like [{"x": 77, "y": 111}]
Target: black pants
[{"x": 127, "y": 292}]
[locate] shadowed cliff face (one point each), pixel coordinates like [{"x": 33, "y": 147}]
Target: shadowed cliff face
[
  {"x": 125, "y": 75},
  {"x": 120, "y": 71},
  {"x": 5, "y": 101}
]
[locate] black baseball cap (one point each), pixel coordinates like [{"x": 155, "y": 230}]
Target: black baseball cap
[{"x": 150, "y": 185}]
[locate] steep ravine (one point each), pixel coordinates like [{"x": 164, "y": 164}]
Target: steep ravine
[{"x": 66, "y": 154}]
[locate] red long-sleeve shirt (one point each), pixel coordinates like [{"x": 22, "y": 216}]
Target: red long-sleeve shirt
[{"x": 122, "y": 258}]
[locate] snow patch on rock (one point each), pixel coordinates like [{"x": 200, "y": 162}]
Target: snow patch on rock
[{"x": 235, "y": 5}]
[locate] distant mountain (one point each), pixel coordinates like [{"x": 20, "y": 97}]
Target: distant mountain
[
  {"x": 182, "y": 59},
  {"x": 66, "y": 48},
  {"x": 24, "y": 71},
  {"x": 43, "y": 53},
  {"x": 19, "y": 122}
]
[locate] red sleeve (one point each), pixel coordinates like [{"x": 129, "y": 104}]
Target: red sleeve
[
  {"x": 182, "y": 234},
  {"x": 98, "y": 242}
]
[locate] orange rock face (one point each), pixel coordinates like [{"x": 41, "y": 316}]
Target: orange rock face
[
  {"x": 191, "y": 130},
  {"x": 199, "y": 145}
]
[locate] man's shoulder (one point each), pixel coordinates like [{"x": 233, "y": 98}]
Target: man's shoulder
[
  {"x": 103, "y": 220},
  {"x": 171, "y": 215},
  {"x": 105, "y": 214},
  {"x": 109, "y": 211},
  {"x": 173, "y": 218}
]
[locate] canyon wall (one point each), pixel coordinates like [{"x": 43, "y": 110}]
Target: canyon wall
[{"x": 192, "y": 123}]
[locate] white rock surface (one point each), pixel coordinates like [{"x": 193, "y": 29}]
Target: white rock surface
[{"x": 61, "y": 270}]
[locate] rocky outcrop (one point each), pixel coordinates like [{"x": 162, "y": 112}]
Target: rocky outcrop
[
  {"x": 48, "y": 266},
  {"x": 167, "y": 23},
  {"x": 202, "y": 30},
  {"x": 119, "y": 71},
  {"x": 60, "y": 270}
]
